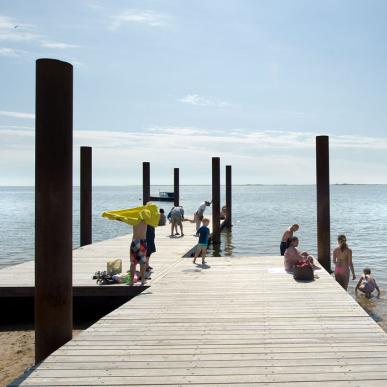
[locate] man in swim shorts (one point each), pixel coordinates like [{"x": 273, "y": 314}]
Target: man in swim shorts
[
  {"x": 138, "y": 250},
  {"x": 286, "y": 237}
]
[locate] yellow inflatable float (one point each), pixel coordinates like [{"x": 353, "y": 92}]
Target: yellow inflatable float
[{"x": 148, "y": 213}]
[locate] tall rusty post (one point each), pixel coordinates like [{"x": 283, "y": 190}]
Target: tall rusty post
[
  {"x": 53, "y": 206},
  {"x": 176, "y": 187},
  {"x": 228, "y": 219},
  {"x": 323, "y": 205},
  {"x": 145, "y": 182},
  {"x": 215, "y": 200},
  {"x": 86, "y": 196}
]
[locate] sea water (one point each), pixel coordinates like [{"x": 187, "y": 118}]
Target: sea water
[{"x": 260, "y": 215}]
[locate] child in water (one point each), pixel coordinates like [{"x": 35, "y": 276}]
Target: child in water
[
  {"x": 204, "y": 235},
  {"x": 367, "y": 284}
]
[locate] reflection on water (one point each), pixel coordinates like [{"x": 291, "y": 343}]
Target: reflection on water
[{"x": 225, "y": 248}]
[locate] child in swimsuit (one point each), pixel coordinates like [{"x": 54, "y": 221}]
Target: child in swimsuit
[{"x": 367, "y": 284}]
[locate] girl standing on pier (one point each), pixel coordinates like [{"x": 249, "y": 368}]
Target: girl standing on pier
[{"x": 342, "y": 258}]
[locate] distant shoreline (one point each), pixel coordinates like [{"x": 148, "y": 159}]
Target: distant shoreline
[{"x": 204, "y": 185}]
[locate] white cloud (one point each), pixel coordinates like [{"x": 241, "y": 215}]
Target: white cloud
[
  {"x": 195, "y": 99},
  {"x": 58, "y": 45},
  {"x": 268, "y": 157},
  {"x": 21, "y": 115},
  {"x": 149, "y": 18},
  {"x": 95, "y": 5},
  {"x": 9, "y": 52},
  {"x": 13, "y": 31}
]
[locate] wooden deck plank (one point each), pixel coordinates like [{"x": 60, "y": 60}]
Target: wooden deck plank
[
  {"x": 91, "y": 258},
  {"x": 238, "y": 322}
]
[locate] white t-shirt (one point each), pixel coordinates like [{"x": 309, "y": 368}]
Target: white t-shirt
[{"x": 201, "y": 208}]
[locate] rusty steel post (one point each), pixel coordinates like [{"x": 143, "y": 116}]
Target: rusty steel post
[
  {"x": 145, "y": 182},
  {"x": 86, "y": 196},
  {"x": 323, "y": 205},
  {"x": 53, "y": 206},
  {"x": 228, "y": 219},
  {"x": 215, "y": 200},
  {"x": 176, "y": 187}
]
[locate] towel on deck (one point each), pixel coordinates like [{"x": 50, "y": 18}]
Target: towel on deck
[{"x": 148, "y": 213}]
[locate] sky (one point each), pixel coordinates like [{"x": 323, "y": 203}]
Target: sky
[{"x": 178, "y": 82}]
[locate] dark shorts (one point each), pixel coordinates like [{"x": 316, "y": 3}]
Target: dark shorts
[
  {"x": 138, "y": 249},
  {"x": 283, "y": 247}
]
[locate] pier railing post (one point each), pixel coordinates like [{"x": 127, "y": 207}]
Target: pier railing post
[
  {"x": 53, "y": 206},
  {"x": 215, "y": 200},
  {"x": 86, "y": 196},
  {"x": 176, "y": 187},
  {"x": 145, "y": 182},
  {"x": 228, "y": 220},
  {"x": 323, "y": 205}
]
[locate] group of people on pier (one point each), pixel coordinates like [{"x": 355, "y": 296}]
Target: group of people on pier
[
  {"x": 143, "y": 238},
  {"x": 341, "y": 256}
]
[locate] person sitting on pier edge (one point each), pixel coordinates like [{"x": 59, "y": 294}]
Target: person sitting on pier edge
[
  {"x": 204, "y": 235},
  {"x": 163, "y": 218},
  {"x": 292, "y": 255},
  {"x": 367, "y": 284},
  {"x": 342, "y": 258},
  {"x": 176, "y": 217},
  {"x": 286, "y": 237},
  {"x": 138, "y": 251},
  {"x": 199, "y": 214}
]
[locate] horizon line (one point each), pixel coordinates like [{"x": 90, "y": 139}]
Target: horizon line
[{"x": 199, "y": 185}]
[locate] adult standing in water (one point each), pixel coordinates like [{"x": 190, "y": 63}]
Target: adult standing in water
[
  {"x": 342, "y": 258},
  {"x": 286, "y": 238}
]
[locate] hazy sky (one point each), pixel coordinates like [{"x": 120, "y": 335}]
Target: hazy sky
[{"x": 177, "y": 82}]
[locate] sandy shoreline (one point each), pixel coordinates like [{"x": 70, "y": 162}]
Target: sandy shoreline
[
  {"x": 17, "y": 343},
  {"x": 17, "y": 352}
]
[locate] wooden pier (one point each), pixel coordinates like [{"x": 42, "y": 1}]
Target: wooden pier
[
  {"x": 238, "y": 321},
  {"x": 18, "y": 280}
]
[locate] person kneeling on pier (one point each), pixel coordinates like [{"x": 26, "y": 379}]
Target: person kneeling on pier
[{"x": 293, "y": 255}]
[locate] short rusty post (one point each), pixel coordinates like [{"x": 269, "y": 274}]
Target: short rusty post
[
  {"x": 323, "y": 205},
  {"x": 228, "y": 220},
  {"x": 145, "y": 182},
  {"x": 53, "y": 206},
  {"x": 86, "y": 196},
  {"x": 215, "y": 200},
  {"x": 176, "y": 187}
]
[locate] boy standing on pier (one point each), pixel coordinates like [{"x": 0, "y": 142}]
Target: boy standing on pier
[
  {"x": 204, "y": 235},
  {"x": 138, "y": 251}
]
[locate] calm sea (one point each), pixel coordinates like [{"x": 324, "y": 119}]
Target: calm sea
[{"x": 260, "y": 215}]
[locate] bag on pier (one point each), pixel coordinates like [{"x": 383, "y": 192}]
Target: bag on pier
[
  {"x": 103, "y": 278},
  {"x": 114, "y": 266},
  {"x": 303, "y": 271}
]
